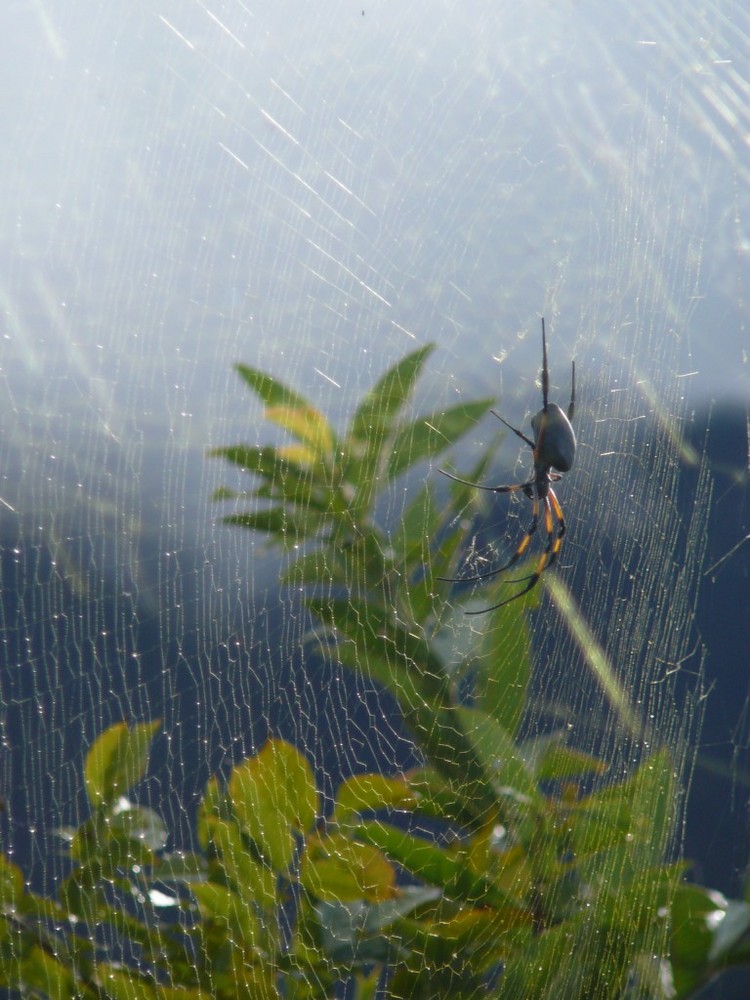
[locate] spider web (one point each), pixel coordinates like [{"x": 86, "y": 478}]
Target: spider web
[{"x": 316, "y": 190}]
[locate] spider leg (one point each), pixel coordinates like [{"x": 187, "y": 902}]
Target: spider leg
[
  {"x": 552, "y": 512},
  {"x": 520, "y": 550},
  {"x": 572, "y": 404},
  {"x": 545, "y": 369},
  {"x": 556, "y": 544},
  {"x": 554, "y": 539},
  {"x": 533, "y": 580},
  {"x": 490, "y": 489},
  {"x": 515, "y": 430}
]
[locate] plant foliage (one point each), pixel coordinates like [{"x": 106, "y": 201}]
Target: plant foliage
[{"x": 501, "y": 866}]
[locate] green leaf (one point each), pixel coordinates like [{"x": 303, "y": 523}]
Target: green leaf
[
  {"x": 11, "y": 885},
  {"x": 120, "y": 838},
  {"x": 599, "y": 823},
  {"x": 264, "y": 461},
  {"x": 271, "y": 390},
  {"x": 337, "y": 869},
  {"x": 410, "y": 544},
  {"x": 372, "y": 630},
  {"x": 553, "y": 761},
  {"x": 366, "y": 792},
  {"x": 464, "y": 941},
  {"x": 638, "y": 813},
  {"x": 81, "y": 894},
  {"x": 119, "y": 983},
  {"x": 370, "y": 660},
  {"x": 695, "y": 914},
  {"x": 502, "y": 663},
  {"x": 118, "y": 760},
  {"x": 252, "y": 879},
  {"x": 653, "y": 791},
  {"x": 279, "y": 523},
  {"x": 373, "y": 427},
  {"x": 411, "y": 538},
  {"x": 501, "y": 758},
  {"x": 428, "y": 436},
  {"x": 296, "y": 484},
  {"x": 450, "y": 528},
  {"x": 123, "y": 984},
  {"x": 224, "y": 493},
  {"x": 323, "y": 566},
  {"x": 709, "y": 933},
  {"x": 342, "y": 558},
  {"x": 179, "y": 866},
  {"x": 220, "y": 904},
  {"x": 383, "y": 402},
  {"x": 361, "y": 933},
  {"x": 375, "y": 918},
  {"x": 376, "y": 647},
  {"x": 442, "y": 798},
  {"x": 428, "y": 533},
  {"x": 633, "y": 905},
  {"x": 575, "y": 960},
  {"x": 435, "y": 865},
  {"x": 273, "y": 795},
  {"x": 214, "y": 805},
  {"x": 42, "y": 975}
]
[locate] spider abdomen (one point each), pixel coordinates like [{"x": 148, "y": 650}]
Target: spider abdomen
[{"x": 555, "y": 438}]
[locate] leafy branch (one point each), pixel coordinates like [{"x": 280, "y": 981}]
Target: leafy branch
[{"x": 502, "y": 866}]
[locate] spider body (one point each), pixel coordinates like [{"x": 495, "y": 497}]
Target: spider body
[
  {"x": 554, "y": 449},
  {"x": 555, "y": 440}
]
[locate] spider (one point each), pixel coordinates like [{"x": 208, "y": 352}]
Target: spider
[{"x": 554, "y": 447}]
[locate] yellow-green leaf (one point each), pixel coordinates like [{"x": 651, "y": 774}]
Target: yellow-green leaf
[
  {"x": 365, "y": 792},
  {"x": 335, "y": 869},
  {"x": 274, "y": 795},
  {"x": 117, "y": 761},
  {"x": 307, "y": 424},
  {"x": 297, "y": 454}
]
